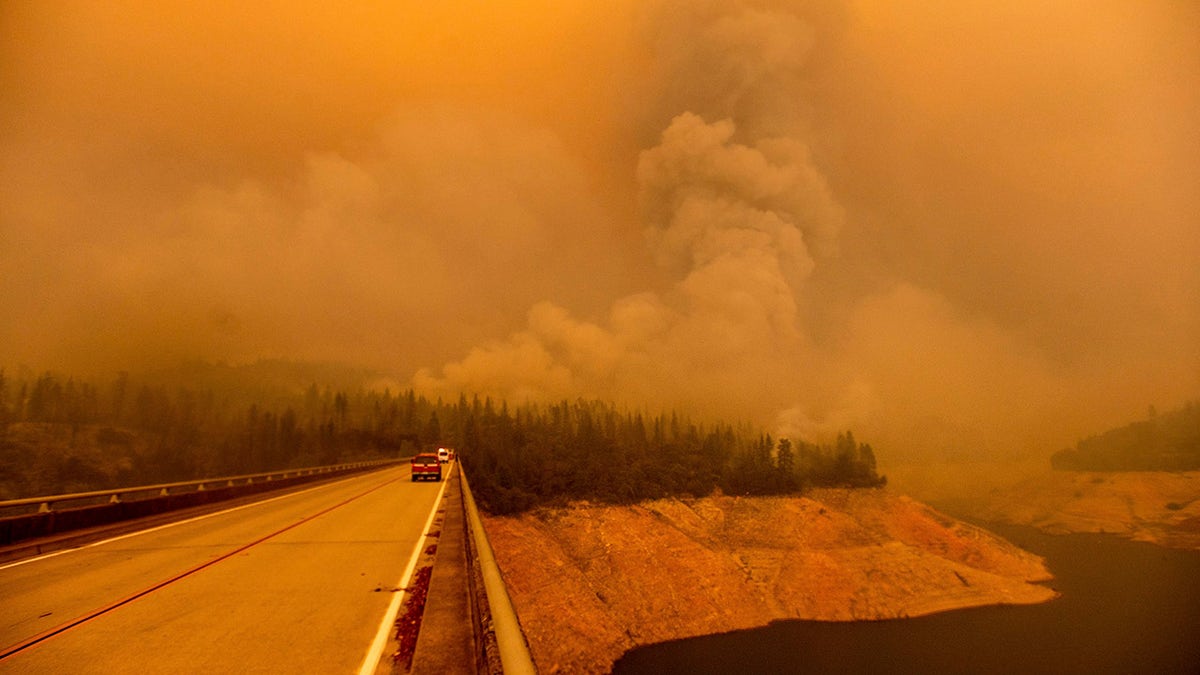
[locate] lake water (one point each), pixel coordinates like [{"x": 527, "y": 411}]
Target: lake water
[{"x": 1126, "y": 607}]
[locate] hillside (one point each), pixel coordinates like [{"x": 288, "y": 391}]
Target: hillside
[
  {"x": 1153, "y": 506},
  {"x": 591, "y": 582},
  {"x": 1162, "y": 442}
]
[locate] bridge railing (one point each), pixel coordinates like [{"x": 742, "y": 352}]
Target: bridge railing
[
  {"x": 33, "y": 517},
  {"x": 77, "y": 499},
  {"x": 502, "y": 637}
]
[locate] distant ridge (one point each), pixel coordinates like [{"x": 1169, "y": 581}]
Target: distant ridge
[{"x": 1167, "y": 441}]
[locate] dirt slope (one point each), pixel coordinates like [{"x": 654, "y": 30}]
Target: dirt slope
[
  {"x": 1154, "y": 506},
  {"x": 591, "y": 582}
]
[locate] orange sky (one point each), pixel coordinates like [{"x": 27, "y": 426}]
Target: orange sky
[{"x": 970, "y": 225}]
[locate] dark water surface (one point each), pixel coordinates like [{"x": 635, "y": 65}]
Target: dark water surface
[{"x": 1126, "y": 607}]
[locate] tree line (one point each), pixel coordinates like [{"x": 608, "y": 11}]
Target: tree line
[
  {"x": 66, "y": 434},
  {"x": 592, "y": 450},
  {"x": 1162, "y": 442}
]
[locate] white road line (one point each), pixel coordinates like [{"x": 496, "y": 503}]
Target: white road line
[
  {"x": 375, "y": 653},
  {"x": 160, "y": 527}
]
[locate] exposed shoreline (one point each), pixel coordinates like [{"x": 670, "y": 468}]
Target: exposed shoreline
[
  {"x": 591, "y": 582},
  {"x": 1157, "y": 507}
]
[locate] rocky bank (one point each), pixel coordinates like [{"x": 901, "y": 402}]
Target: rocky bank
[{"x": 590, "y": 582}]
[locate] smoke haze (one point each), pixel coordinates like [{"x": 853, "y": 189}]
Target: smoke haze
[{"x": 966, "y": 229}]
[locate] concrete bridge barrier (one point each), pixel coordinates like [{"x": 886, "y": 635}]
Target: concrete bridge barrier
[{"x": 38, "y": 517}]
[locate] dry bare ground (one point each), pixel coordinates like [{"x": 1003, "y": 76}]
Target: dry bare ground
[
  {"x": 1154, "y": 506},
  {"x": 590, "y": 582}
]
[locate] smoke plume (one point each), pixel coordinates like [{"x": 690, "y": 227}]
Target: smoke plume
[{"x": 967, "y": 230}]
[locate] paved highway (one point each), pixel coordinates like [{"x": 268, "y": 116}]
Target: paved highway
[{"x": 296, "y": 583}]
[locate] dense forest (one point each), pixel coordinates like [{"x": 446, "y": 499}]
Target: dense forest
[
  {"x": 591, "y": 450},
  {"x": 1168, "y": 441},
  {"x": 65, "y": 434}
]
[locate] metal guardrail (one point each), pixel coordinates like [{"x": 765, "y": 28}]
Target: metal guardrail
[
  {"x": 515, "y": 657},
  {"x": 114, "y": 496}
]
